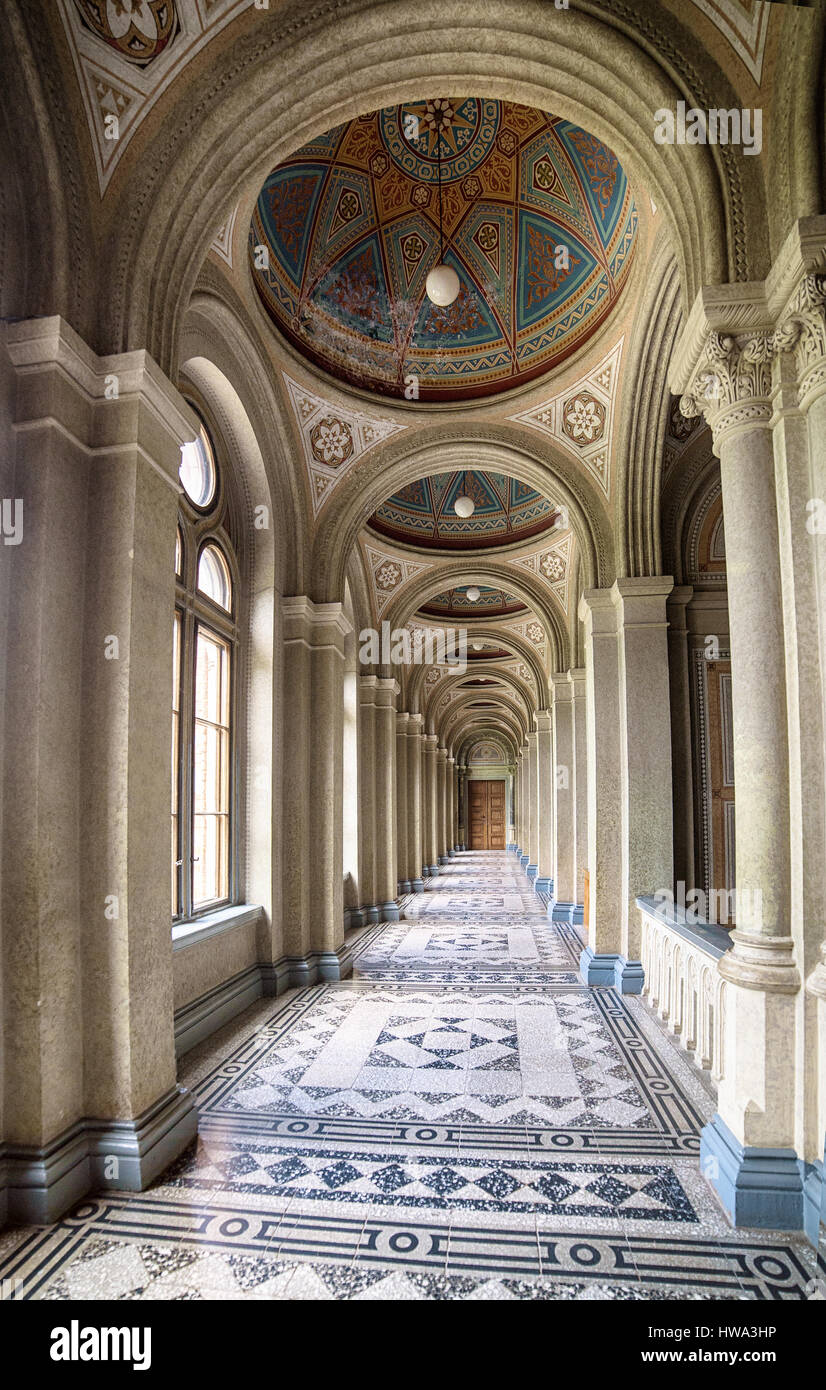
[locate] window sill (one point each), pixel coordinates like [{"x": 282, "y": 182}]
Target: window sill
[{"x": 213, "y": 924}]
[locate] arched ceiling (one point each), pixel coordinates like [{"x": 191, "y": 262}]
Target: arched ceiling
[
  {"x": 538, "y": 221},
  {"x": 491, "y": 603},
  {"x": 422, "y": 513}
]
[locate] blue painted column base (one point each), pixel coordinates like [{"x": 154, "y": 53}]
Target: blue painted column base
[
  {"x": 543, "y": 885},
  {"x": 560, "y": 912},
  {"x": 417, "y": 885},
  {"x": 611, "y": 969},
  {"x": 523, "y": 860},
  {"x": 404, "y": 887},
  {"x": 371, "y": 916},
  {"x": 578, "y": 918},
  {"x": 390, "y": 912},
  {"x": 532, "y": 870},
  {"x": 757, "y": 1187},
  {"x": 813, "y": 1195},
  {"x": 434, "y": 870},
  {"x": 512, "y": 849}
]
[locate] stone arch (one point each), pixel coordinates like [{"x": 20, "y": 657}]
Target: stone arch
[
  {"x": 512, "y": 683},
  {"x": 521, "y": 647},
  {"x": 521, "y": 720},
  {"x": 503, "y": 724},
  {"x": 324, "y": 64},
  {"x": 484, "y": 568},
  {"x": 215, "y": 347},
  {"x": 439, "y": 448}
]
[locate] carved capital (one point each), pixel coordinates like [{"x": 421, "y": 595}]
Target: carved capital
[
  {"x": 802, "y": 330},
  {"x": 731, "y": 385}
]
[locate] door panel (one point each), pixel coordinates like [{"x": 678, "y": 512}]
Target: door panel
[{"x": 486, "y": 815}]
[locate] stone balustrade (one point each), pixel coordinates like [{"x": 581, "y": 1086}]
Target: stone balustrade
[{"x": 682, "y": 983}]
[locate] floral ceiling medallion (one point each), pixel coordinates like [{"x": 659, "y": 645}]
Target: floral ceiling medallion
[
  {"x": 581, "y": 417},
  {"x": 333, "y": 438}
]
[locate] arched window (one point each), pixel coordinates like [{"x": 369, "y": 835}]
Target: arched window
[{"x": 204, "y": 653}]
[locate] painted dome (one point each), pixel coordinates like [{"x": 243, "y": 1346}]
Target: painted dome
[
  {"x": 491, "y": 603},
  {"x": 422, "y": 512},
  {"x": 538, "y": 220}
]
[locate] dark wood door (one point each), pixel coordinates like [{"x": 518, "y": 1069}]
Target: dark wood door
[{"x": 486, "y": 815}]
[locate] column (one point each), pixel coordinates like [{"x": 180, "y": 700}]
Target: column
[
  {"x": 524, "y": 853},
  {"x": 604, "y": 763},
  {"x": 415, "y": 858},
  {"x": 441, "y": 805},
  {"x": 532, "y": 779},
  {"x": 402, "y": 846},
  {"x": 313, "y": 781},
  {"x": 681, "y": 748},
  {"x": 561, "y": 906},
  {"x": 429, "y": 812},
  {"x": 387, "y": 877},
  {"x": 645, "y": 748},
  {"x": 544, "y": 881},
  {"x": 367, "y": 798},
  {"x": 579, "y": 770},
  {"x": 87, "y": 956},
  {"x": 451, "y": 808},
  {"x": 748, "y": 1150}
]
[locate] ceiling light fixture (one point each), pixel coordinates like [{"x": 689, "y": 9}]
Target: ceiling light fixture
[
  {"x": 474, "y": 594},
  {"x": 464, "y": 506},
  {"x": 477, "y": 646},
  {"x": 442, "y": 283}
]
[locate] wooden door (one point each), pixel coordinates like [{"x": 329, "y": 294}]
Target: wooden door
[
  {"x": 721, "y": 770},
  {"x": 486, "y": 814}
]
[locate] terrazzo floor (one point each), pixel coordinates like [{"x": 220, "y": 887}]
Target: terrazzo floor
[{"x": 462, "y": 1119}]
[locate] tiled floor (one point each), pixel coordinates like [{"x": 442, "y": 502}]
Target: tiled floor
[{"x": 463, "y": 1119}]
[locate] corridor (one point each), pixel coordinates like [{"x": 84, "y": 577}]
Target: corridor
[{"x": 462, "y": 1119}]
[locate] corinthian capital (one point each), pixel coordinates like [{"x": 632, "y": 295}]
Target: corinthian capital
[
  {"x": 802, "y": 330},
  {"x": 731, "y": 385}
]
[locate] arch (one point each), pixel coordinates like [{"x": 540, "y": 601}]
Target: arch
[
  {"x": 505, "y": 710},
  {"x": 228, "y": 368},
  {"x": 486, "y": 570},
  {"x": 521, "y": 647},
  {"x": 438, "y": 448},
  {"x": 508, "y": 678},
  {"x": 609, "y": 75}
]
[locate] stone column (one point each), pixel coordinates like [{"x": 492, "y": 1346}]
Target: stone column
[
  {"x": 313, "y": 892},
  {"x": 441, "y": 806},
  {"x": 545, "y": 802},
  {"x": 645, "y": 739},
  {"x": 431, "y": 854},
  {"x": 87, "y": 951},
  {"x": 579, "y": 784},
  {"x": 681, "y": 749},
  {"x": 532, "y": 867},
  {"x": 524, "y": 855},
  {"x": 414, "y": 802},
  {"x": 387, "y": 876},
  {"x": 604, "y": 761},
  {"x": 748, "y": 1150},
  {"x": 367, "y": 798},
  {"x": 402, "y": 799},
  {"x": 561, "y": 906},
  {"x": 451, "y": 808},
  {"x": 462, "y": 812}
]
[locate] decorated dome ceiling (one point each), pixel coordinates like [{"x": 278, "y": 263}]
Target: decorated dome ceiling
[
  {"x": 422, "y": 513},
  {"x": 491, "y": 603},
  {"x": 539, "y": 224}
]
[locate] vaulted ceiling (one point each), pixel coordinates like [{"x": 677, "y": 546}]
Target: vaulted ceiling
[
  {"x": 506, "y": 511},
  {"x": 538, "y": 222}
]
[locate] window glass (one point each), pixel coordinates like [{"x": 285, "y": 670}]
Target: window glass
[
  {"x": 197, "y": 472},
  {"x": 213, "y": 577}
]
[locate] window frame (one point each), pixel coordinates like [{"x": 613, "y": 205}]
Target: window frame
[{"x": 196, "y": 611}]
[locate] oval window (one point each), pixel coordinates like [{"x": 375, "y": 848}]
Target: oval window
[{"x": 197, "y": 471}]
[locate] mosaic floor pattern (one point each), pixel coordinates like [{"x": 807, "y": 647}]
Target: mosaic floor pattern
[{"x": 461, "y": 1120}]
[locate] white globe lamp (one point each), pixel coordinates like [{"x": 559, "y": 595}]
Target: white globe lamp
[
  {"x": 464, "y": 506},
  {"x": 442, "y": 285},
  {"x": 474, "y": 594}
]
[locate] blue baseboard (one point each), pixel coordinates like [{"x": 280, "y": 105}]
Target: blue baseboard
[
  {"x": 814, "y": 1209},
  {"x": 611, "y": 969},
  {"x": 561, "y": 912},
  {"x": 757, "y": 1187}
]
